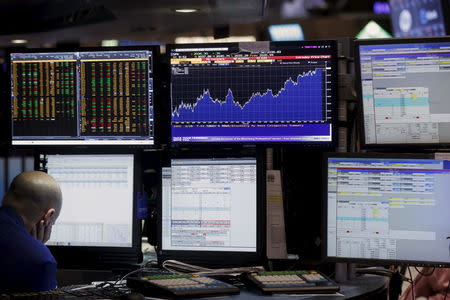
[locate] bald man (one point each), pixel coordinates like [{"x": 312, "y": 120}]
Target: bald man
[{"x": 28, "y": 212}]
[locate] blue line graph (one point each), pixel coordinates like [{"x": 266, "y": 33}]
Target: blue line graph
[{"x": 297, "y": 100}]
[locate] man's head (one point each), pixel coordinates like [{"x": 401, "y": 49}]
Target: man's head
[{"x": 36, "y": 196}]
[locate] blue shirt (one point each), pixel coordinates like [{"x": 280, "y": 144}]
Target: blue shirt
[{"x": 26, "y": 264}]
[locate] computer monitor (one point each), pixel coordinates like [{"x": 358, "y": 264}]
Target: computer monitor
[
  {"x": 418, "y": 18},
  {"x": 388, "y": 208},
  {"x": 97, "y": 224},
  {"x": 100, "y": 96},
  {"x": 212, "y": 212},
  {"x": 253, "y": 92},
  {"x": 403, "y": 87}
]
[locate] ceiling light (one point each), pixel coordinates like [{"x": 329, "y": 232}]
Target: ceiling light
[
  {"x": 286, "y": 32},
  {"x": 110, "y": 43},
  {"x": 186, "y": 10},
  {"x": 19, "y": 41}
]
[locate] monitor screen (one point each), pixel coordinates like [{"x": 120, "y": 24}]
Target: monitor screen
[
  {"x": 209, "y": 206},
  {"x": 404, "y": 90},
  {"x": 388, "y": 207},
  {"x": 418, "y": 18},
  {"x": 96, "y": 97},
  {"x": 253, "y": 92},
  {"x": 91, "y": 184},
  {"x": 97, "y": 226}
]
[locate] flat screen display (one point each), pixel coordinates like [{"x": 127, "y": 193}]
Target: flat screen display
[
  {"x": 98, "y": 200},
  {"x": 258, "y": 92},
  {"x": 404, "y": 90},
  {"x": 97, "y": 97},
  {"x": 209, "y": 205},
  {"x": 388, "y": 207}
]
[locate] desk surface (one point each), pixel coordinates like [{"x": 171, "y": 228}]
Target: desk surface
[{"x": 363, "y": 285}]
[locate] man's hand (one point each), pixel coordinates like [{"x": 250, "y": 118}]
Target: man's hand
[{"x": 41, "y": 231}]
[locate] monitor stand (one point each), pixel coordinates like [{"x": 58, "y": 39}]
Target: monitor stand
[{"x": 344, "y": 272}]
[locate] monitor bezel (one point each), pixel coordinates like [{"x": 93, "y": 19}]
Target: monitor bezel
[
  {"x": 329, "y": 145},
  {"x": 221, "y": 258},
  {"x": 61, "y": 146},
  {"x": 367, "y": 261},
  {"x": 380, "y": 146},
  {"x": 88, "y": 257}
]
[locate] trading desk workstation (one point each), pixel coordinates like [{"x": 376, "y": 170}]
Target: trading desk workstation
[{"x": 192, "y": 141}]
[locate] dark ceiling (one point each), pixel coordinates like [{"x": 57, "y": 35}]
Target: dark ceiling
[{"x": 48, "y": 21}]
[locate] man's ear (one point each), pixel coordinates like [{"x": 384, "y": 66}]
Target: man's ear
[{"x": 49, "y": 217}]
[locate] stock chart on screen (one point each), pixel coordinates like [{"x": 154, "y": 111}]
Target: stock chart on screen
[
  {"x": 91, "y": 97},
  {"x": 253, "y": 92}
]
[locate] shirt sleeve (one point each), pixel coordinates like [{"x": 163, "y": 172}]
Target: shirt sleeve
[{"x": 44, "y": 278}]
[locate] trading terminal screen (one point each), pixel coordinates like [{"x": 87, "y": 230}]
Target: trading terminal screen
[
  {"x": 82, "y": 98},
  {"x": 389, "y": 209},
  {"x": 97, "y": 195},
  {"x": 209, "y": 205},
  {"x": 405, "y": 89},
  {"x": 253, "y": 92}
]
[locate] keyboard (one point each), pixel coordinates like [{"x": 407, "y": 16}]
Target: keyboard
[
  {"x": 291, "y": 282},
  {"x": 184, "y": 285},
  {"x": 89, "y": 293},
  {"x": 50, "y": 295},
  {"x": 95, "y": 293}
]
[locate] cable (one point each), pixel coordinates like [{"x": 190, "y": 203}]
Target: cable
[
  {"x": 231, "y": 271},
  {"x": 149, "y": 263},
  {"x": 180, "y": 267},
  {"x": 131, "y": 273},
  {"x": 412, "y": 284},
  {"x": 425, "y": 274}
]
